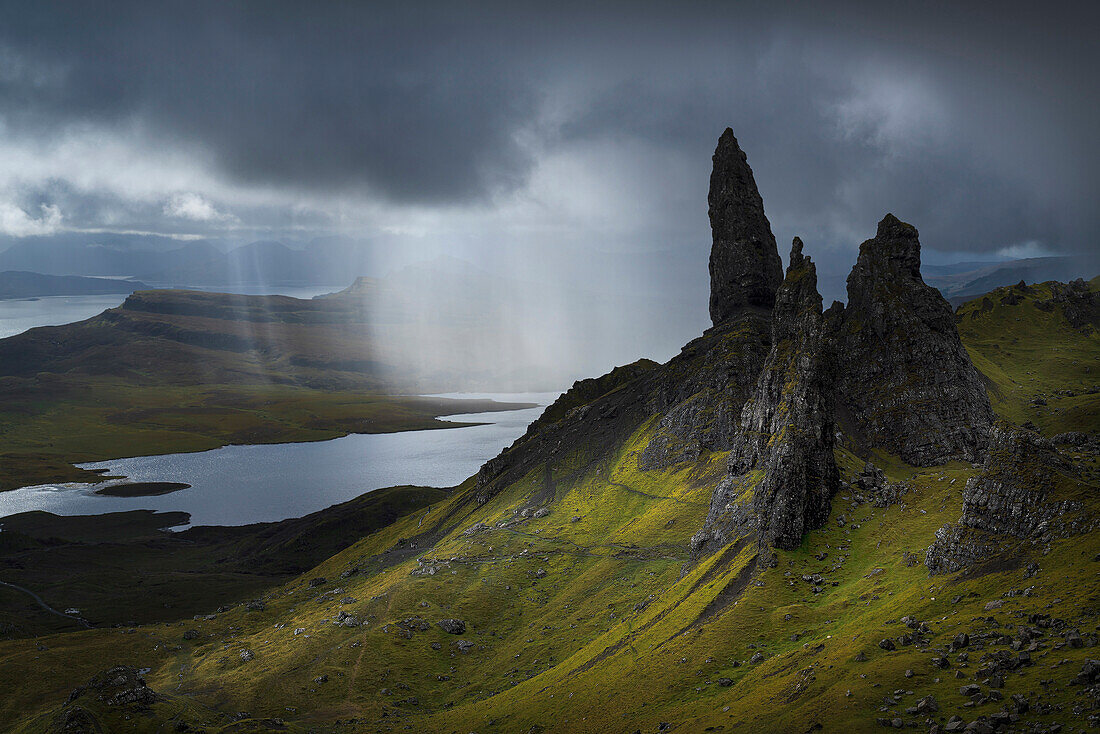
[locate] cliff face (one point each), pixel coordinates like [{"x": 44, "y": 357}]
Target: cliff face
[
  {"x": 745, "y": 270},
  {"x": 1024, "y": 493},
  {"x": 703, "y": 389},
  {"x": 905, "y": 382},
  {"x": 781, "y": 469}
]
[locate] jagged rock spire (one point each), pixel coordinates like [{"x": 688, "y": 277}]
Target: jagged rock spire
[
  {"x": 786, "y": 429},
  {"x": 904, "y": 378},
  {"x": 894, "y": 252},
  {"x": 745, "y": 270}
]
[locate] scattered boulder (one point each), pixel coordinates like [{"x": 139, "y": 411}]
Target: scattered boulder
[
  {"x": 452, "y": 626},
  {"x": 871, "y": 486},
  {"x": 1090, "y": 673},
  {"x": 117, "y": 686}
]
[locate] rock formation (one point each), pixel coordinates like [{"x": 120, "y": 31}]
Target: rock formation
[
  {"x": 771, "y": 379},
  {"x": 1021, "y": 494},
  {"x": 782, "y": 474},
  {"x": 745, "y": 270},
  {"x": 905, "y": 382},
  {"x": 712, "y": 377}
]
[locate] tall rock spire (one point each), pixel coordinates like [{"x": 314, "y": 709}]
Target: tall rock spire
[
  {"x": 905, "y": 379},
  {"x": 782, "y": 474},
  {"x": 745, "y": 270}
]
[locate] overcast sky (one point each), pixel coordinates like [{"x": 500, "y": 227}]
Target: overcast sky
[{"x": 487, "y": 130}]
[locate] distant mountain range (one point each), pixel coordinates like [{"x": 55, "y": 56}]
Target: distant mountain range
[
  {"x": 960, "y": 287},
  {"x": 198, "y": 263},
  {"x": 22, "y": 284}
]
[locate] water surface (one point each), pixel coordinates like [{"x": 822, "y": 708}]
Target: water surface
[
  {"x": 16, "y": 316},
  {"x": 237, "y": 485}
]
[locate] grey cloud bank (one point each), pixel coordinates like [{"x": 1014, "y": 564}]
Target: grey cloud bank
[{"x": 496, "y": 133}]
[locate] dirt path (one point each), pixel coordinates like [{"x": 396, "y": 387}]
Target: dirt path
[{"x": 38, "y": 600}]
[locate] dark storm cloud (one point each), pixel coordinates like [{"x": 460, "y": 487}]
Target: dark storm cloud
[
  {"x": 978, "y": 126},
  {"x": 324, "y": 96}
]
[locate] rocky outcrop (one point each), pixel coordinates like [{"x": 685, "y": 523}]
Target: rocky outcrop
[
  {"x": 1021, "y": 494},
  {"x": 871, "y": 486},
  {"x": 1079, "y": 303},
  {"x": 905, "y": 382},
  {"x": 120, "y": 687},
  {"x": 782, "y": 475},
  {"x": 745, "y": 270},
  {"x": 774, "y": 375}
]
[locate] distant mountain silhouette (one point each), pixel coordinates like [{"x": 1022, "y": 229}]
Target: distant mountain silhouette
[
  {"x": 23, "y": 284},
  {"x": 960, "y": 287}
]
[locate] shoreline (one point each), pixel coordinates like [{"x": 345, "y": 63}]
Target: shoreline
[{"x": 77, "y": 473}]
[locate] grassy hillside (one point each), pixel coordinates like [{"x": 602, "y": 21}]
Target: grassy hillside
[
  {"x": 584, "y": 611},
  {"x": 1040, "y": 368}
]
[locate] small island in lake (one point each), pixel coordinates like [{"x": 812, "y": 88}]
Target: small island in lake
[{"x": 141, "y": 489}]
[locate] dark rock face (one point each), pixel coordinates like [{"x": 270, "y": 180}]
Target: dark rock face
[
  {"x": 905, "y": 382},
  {"x": 1014, "y": 498},
  {"x": 702, "y": 390},
  {"x": 781, "y": 469},
  {"x": 706, "y": 386},
  {"x": 594, "y": 414},
  {"x": 745, "y": 270}
]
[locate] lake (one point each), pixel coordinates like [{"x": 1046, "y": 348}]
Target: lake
[
  {"x": 18, "y": 315},
  {"x": 237, "y": 485}
]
